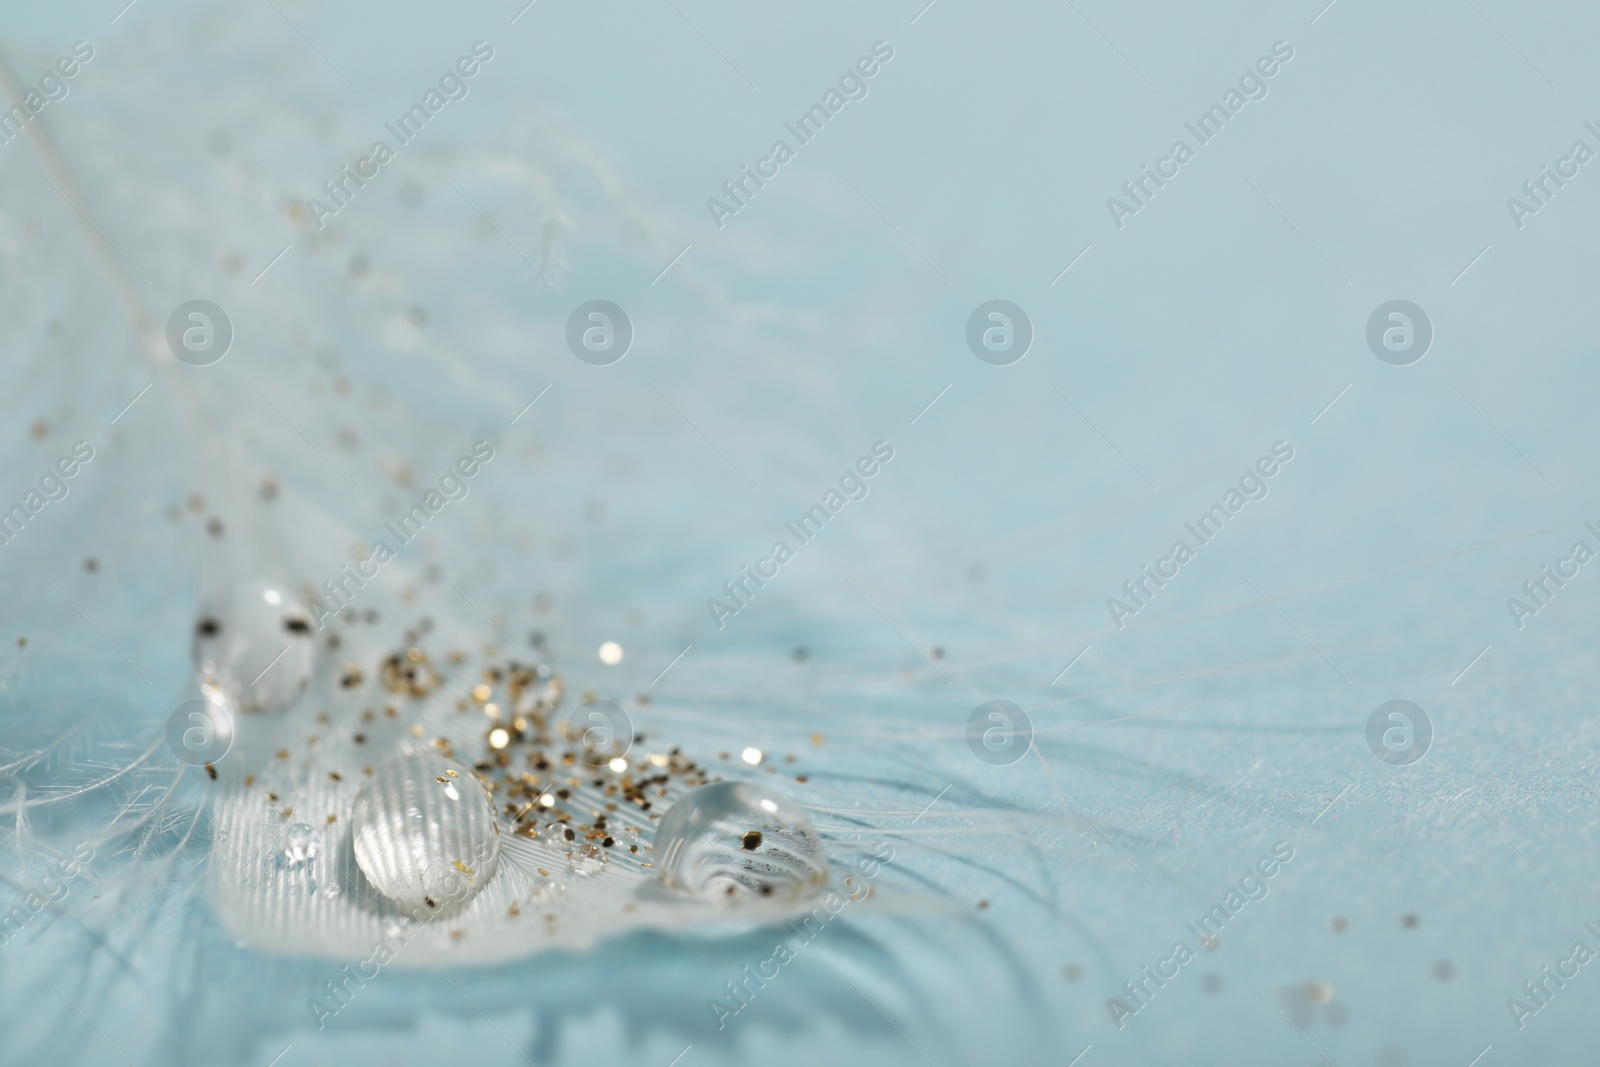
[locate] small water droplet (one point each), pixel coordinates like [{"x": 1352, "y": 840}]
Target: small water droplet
[
  {"x": 704, "y": 845},
  {"x": 299, "y": 844},
  {"x": 414, "y": 821},
  {"x": 587, "y": 858},
  {"x": 252, "y": 645}
]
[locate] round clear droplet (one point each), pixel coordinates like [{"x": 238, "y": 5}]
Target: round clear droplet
[
  {"x": 587, "y": 858},
  {"x": 299, "y": 844},
  {"x": 425, "y": 833},
  {"x": 729, "y": 840},
  {"x": 252, "y": 645}
]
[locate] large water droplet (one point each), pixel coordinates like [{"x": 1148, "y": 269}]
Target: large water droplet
[
  {"x": 723, "y": 841},
  {"x": 425, "y": 833},
  {"x": 252, "y": 645}
]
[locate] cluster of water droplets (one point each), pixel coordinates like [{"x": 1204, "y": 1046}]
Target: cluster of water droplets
[{"x": 423, "y": 829}]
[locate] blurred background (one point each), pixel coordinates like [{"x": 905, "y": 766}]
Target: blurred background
[{"x": 1429, "y": 459}]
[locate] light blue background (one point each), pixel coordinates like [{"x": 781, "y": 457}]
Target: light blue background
[{"x": 1222, "y": 318}]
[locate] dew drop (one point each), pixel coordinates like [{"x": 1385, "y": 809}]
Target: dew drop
[
  {"x": 252, "y": 645},
  {"x": 729, "y": 840},
  {"x": 425, "y": 834},
  {"x": 299, "y": 844},
  {"x": 587, "y": 858}
]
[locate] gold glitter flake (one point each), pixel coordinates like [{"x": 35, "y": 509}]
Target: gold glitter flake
[{"x": 410, "y": 672}]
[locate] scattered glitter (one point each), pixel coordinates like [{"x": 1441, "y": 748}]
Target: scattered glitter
[
  {"x": 751, "y": 756},
  {"x": 611, "y": 653}
]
